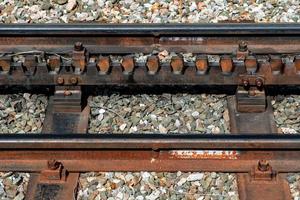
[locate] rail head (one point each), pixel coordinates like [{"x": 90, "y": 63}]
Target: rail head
[
  {"x": 150, "y": 141},
  {"x": 150, "y": 29}
]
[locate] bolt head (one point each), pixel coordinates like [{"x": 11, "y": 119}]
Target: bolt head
[
  {"x": 243, "y": 46},
  {"x": 74, "y": 80},
  {"x": 259, "y": 83},
  {"x": 78, "y": 46},
  {"x": 60, "y": 80},
  {"x": 263, "y": 165},
  {"x": 53, "y": 164}
]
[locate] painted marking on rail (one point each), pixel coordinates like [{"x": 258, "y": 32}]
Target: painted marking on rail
[{"x": 205, "y": 154}]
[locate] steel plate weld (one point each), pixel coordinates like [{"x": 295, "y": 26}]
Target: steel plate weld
[{"x": 207, "y": 154}]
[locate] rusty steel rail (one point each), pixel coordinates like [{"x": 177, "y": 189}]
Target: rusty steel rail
[{"x": 71, "y": 60}]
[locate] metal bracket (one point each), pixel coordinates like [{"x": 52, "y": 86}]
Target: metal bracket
[
  {"x": 250, "y": 94},
  {"x": 263, "y": 183},
  {"x": 263, "y": 171},
  {"x": 53, "y": 183},
  {"x": 67, "y": 111},
  {"x": 55, "y": 172}
]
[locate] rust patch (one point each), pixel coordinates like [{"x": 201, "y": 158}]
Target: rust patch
[{"x": 205, "y": 154}]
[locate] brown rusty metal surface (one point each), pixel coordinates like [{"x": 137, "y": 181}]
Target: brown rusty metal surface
[
  {"x": 277, "y": 189},
  {"x": 202, "y": 64},
  {"x": 226, "y": 65},
  {"x": 5, "y": 63},
  {"x": 72, "y": 51},
  {"x": 251, "y": 123},
  {"x": 103, "y": 65},
  {"x": 101, "y": 72},
  {"x": 128, "y": 65},
  {"x": 127, "y": 44},
  {"x": 66, "y": 112},
  {"x": 42, "y": 189},
  {"x": 205, "y": 154},
  {"x": 152, "y": 65},
  {"x": 251, "y": 113},
  {"x": 139, "y": 160},
  {"x": 177, "y": 65}
]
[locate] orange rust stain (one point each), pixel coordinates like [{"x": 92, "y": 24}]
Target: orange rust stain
[{"x": 199, "y": 154}]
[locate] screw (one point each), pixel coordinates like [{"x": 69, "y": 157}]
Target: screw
[
  {"x": 243, "y": 46},
  {"x": 73, "y": 80},
  {"x": 78, "y": 46},
  {"x": 60, "y": 80},
  {"x": 53, "y": 164},
  {"x": 263, "y": 165}
]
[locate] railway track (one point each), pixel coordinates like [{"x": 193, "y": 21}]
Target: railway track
[{"x": 248, "y": 62}]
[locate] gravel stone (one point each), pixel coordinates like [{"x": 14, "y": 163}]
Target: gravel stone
[
  {"x": 166, "y": 113},
  {"x": 287, "y": 113},
  {"x": 148, "y": 11},
  {"x": 22, "y": 113},
  {"x": 157, "y": 186},
  {"x": 294, "y": 182},
  {"x": 13, "y": 185}
]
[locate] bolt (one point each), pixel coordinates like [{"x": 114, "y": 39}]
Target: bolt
[
  {"x": 53, "y": 164},
  {"x": 263, "y": 165},
  {"x": 246, "y": 83},
  {"x": 78, "y": 46},
  {"x": 73, "y": 80},
  {"x": 60, "y": 80},
  {"x": 243, "y": 46},
  {"x": 259, "y": 83}
]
